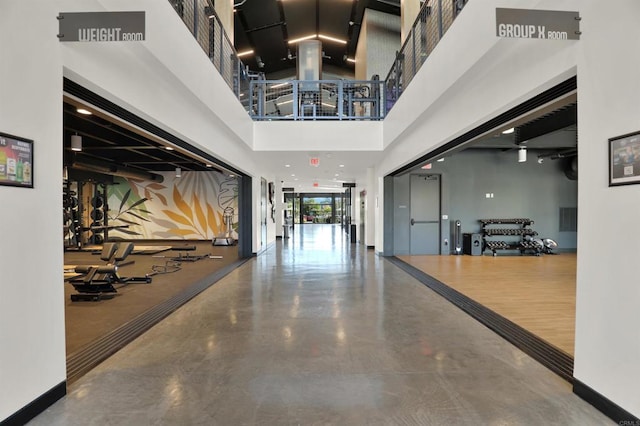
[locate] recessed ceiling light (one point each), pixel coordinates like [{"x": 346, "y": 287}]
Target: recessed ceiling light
[
  {"x": 209, "y": 165},
  {"x": 232, "y": 176},
  {"x": 292, "y": 174},
  {"x": 353, "y": 61},
  {"x": 440, "y": 160},
  {"x": 506, "y": 132},
  {"x": 337, "y": 174},
  {"x": 84, "y": 111},
  {"x": 341, "y": 165},
  {"x": 168, "y": 148},
  {"x": 287, "y": 165}
]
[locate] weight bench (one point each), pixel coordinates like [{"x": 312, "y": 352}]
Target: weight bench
[
  {"x": 187, "y": 257},
  {"x": 96, "y": 282}
]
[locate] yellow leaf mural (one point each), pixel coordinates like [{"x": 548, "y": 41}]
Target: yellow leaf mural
[{"x": 177, "y": 217}]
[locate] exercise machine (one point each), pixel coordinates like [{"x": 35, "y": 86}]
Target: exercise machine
[
  {"x": 97, "y": 282},
  {"x": 225, "y": 238}
]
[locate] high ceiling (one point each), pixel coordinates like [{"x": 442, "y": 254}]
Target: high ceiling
[{"x": 267, "y": 27}]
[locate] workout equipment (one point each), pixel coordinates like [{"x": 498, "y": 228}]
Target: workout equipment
[
  {"x": 225, "y": 238},
  {"x": 187, "y": 257},
  {"x": 96, "y": 282}
]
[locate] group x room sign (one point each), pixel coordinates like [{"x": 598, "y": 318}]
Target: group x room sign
[
  {"x": 101, "y": 26},
  {"x": 541, "y": 24}
]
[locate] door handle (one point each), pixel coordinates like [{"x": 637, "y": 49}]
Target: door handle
[{"x": 412, "y": 222}]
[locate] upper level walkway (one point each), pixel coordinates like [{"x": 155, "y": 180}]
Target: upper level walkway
[{"x": 320, "y": 331}]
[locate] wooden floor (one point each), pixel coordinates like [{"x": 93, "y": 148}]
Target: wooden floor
[{"x": 537, "y": 293}]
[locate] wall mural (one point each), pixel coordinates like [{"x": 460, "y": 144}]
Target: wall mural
[{"x": 189, "y": 207}]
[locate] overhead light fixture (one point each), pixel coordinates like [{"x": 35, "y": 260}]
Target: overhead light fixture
[
  {"x": 296, "y": 40},
  {"x": 245, "y": 53},
  {"x": 76, "y": 143},
  {"x": 280, "y": 85},
  {"x": 168, "y": 148},
  {"x": 440, "y": 160},
  {"x": 508, "y": 131},
  {"x": 178, "y": 172},
  {"x": 287, "y": 165},
  {"x": 329, "y": 38},
  {"x": 84, "y": 111},
  {"x": 209, "y": 165},
  {"x": 352, "y": 60},
  {"x": 522, "y": 155},
  {"x": 341, "y": 165}
]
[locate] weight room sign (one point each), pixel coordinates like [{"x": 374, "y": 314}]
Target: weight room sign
[
  {"x": 101, "y": 26},
  {"x": 542, "y": 24}
]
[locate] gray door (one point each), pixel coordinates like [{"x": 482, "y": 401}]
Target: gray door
[{"x": 425, "y": 214}]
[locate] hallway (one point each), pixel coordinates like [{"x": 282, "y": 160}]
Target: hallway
[{"x": 319, "y": 331}]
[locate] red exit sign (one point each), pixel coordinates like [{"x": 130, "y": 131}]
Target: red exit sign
[{"x": 314, "y": 161}]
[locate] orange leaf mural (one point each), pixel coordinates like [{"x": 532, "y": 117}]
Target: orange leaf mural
[
  {"x": 202, "y": 220},
  {"x": 179, "y": 202},
  {"x": 177, "y": 218}
]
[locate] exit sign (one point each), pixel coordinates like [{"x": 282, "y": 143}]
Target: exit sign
[{"x": 314, "y": 161}]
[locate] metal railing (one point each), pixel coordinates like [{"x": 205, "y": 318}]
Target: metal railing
[
  {"x": 433, "y": 21},
  {"x": 316, "y": 100},
  {"x": 205, "y": 25}
]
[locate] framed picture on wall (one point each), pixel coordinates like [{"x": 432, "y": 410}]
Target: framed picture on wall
[
  {"x": 624, "y": 159},
  {"x": 16, "y": 161}
]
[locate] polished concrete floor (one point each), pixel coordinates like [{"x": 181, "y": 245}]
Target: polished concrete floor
[{"x": 319, "y": 331}]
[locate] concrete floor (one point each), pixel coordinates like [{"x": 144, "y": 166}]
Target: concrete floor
[{"x": 319, "y": 331}]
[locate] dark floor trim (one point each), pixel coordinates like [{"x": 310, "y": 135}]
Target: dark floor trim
[
  {"x": 548, "y": 355},
  {"x": 605, "y": 405},
  {"x": 37, "y": 406},
  {"x": 83, "y": 360}
]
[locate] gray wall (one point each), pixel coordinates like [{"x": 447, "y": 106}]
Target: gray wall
[{"x": 532, "y": 190}]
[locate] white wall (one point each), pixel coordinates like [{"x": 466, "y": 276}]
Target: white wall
[
  {"x": 317, "y": 136},
  {"x": 608, "y": 293},
  {"x": 32, "y": 339}
]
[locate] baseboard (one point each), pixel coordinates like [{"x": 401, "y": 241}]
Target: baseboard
[
  {"x": 606, "y": 406},
  {"x": 37, "y": 406},
  {"x": 371, "y": 247}
]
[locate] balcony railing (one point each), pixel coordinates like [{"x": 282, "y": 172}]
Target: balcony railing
[
  {"x": 433, "y": 21},
  {"x": 316, "y": 100},
  {"x": 203, "y": 22}
]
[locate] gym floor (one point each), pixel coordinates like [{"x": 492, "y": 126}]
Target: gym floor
[{"x": 87, "y": 321}]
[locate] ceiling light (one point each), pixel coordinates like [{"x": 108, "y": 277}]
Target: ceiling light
[
  {"x": 231, "y": 176},
  {"x": 337, "y": 40},
  {"x": 280, "y": 85},
  {"x": 506, "y": 132},
  {"x": 341, "y": 165},
  {"x": 245, "y": 53},
  {"x": 84, "y": 111},
  {"x": 522, "y": 155},
  {"x": 178, "y": 172},
  {"x": 287, "y": 165},
  {"x": 76, "y": 143},
  {"x": 209, "y": 165},
  {"x": 296, "y": 40},
  {"x": 352, "y": 60},
  {"x": 440, "y": 160},
  {"x": 168, "y": 148}
]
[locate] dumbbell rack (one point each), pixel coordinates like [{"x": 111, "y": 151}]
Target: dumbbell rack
[{"x": 518, "y": 227}]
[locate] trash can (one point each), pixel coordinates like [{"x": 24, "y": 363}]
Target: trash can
[{"x": 285, "y": 231}]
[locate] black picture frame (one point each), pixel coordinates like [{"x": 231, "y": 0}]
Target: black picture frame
[
  {"x": 624, "y": 159},
  {"x": 16, "y": 161}
]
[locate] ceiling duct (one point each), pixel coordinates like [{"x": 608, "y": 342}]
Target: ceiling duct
[{"x": 115, "y": 170}]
